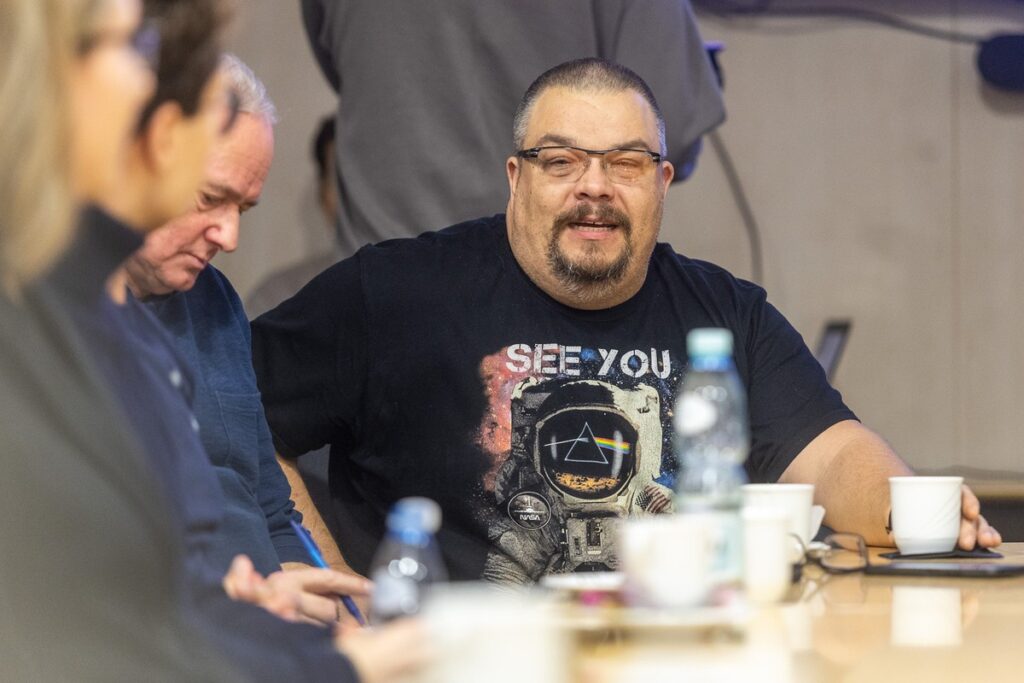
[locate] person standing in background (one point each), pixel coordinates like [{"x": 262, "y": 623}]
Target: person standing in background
[{"x": 426, "y": 94}]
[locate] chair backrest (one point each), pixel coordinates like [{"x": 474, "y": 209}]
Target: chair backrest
[{"x": 831, "y": 344}]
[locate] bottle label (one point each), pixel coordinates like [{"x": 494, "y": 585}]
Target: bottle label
[
  {"x": 694, "y": 414},
  {"x": 724, "y": 537},
  {"x": 394, "y": 596}
]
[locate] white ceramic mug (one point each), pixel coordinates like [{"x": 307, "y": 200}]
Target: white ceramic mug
[
  {"x": 666, "y": 560},
  {"x": 925, "y": 513},
  {"x": 795, "y": 500}
]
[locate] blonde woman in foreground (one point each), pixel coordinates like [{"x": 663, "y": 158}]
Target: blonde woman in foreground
[{"x": 88, "y": 587}]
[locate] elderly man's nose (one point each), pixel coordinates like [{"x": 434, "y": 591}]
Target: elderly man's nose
[{"x": 225, "y": 233}]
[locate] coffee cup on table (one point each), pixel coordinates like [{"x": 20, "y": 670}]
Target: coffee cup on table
[
  {"x": 925, "y": 513},
  {"x": 795, "y": 500}
]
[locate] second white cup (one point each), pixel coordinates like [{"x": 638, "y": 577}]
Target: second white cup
[
  {"x": 925, "y": 513},
  {"x": 793, "y": 499}
]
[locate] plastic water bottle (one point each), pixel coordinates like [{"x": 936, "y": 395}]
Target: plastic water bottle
[
  {"x": 712, "y": 439},
  {"x": 407, "y": 561}
]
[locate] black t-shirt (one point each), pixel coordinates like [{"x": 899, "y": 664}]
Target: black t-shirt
[{"x": 434, "y": 366}]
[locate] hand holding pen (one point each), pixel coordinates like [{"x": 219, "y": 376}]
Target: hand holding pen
[
  {"x": 308, "y": 595},
  {"x": 318, "y": 561}
]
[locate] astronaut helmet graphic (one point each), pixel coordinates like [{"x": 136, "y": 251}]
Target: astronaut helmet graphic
[
  {"x": 587, "y": 436},
  {"x": 586, "y": 451}
]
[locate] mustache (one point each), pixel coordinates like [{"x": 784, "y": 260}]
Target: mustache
[{"x": 603, "y": 213}]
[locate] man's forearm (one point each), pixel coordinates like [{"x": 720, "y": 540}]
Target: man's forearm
[
  {"x": 850, "y": 467},
  {"x": 311, "y": 518}
]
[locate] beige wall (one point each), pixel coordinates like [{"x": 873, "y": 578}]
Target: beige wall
[
  {"x": 888, "y": 186},
  {"x": 287, "y": 226}
]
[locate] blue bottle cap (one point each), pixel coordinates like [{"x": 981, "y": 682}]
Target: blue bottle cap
[
  {"x": 709, "y": 341},
  {"x": 416, "y": 514}
]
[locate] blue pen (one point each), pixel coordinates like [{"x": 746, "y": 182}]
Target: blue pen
[{"x": 318, "y": 560}]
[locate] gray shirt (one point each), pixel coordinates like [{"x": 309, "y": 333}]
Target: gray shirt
[{"x": 428, "y": 89}]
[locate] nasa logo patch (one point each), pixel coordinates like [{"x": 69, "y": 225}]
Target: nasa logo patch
[{"x": 529, "y": 510}]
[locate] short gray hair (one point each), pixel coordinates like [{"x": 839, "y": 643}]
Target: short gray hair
[
  {"x": 252, "y": 94},
  {"x": 588, "y": 74}
]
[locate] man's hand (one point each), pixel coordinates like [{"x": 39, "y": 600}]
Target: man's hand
[
  {"x": 387, "y": 653},
  {"x": 298, "y": 595},
  {"x": 362, "y": 600},
  {"x": 973, "y": 527}
]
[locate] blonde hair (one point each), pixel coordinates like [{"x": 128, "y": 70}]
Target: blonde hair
[{"x": 38, "y": 42}]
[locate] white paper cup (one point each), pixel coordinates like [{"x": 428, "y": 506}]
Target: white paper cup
[
  {"x": 767, "y": 546},
  {"x": 925, "y": 513},
  {"x": 666, "y": 560},
  {"x": 793, "y": 499}
]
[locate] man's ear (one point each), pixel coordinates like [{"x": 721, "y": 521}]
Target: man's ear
[
  {"x": 512, "y": 170},
  {"x": 161, "y": 135},
  {"x": 668, "y": 171}
]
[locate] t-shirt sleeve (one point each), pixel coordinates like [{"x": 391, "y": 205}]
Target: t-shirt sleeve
[
  {"x": 309, "y": 354},
  {"x": 790, "y": 400},
  {"x": 659, "y": 40}
]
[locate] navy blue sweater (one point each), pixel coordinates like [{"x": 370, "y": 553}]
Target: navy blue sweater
[{"x": 211, "y": 332}]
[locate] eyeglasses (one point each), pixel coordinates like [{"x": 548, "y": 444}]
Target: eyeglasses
[
  {"x": 144, "y": 41},
  {"x": 840, "y": 554},
  {"x": 568, "y": 164}
]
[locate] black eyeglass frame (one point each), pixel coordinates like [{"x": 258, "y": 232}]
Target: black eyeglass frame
[
  {"x": 533, "y": 152},
  {"x": 817, "y": 557}
]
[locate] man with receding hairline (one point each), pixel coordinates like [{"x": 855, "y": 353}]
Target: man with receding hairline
[{"x": 521, "y": 369}]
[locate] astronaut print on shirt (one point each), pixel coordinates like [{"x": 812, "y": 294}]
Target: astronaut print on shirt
[{"x": 579, "y": 437}]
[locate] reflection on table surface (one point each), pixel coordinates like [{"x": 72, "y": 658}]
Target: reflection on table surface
[{"x": 837, "y": 628}]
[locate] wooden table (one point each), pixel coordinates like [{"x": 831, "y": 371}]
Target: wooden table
[{"x": 838, "y": 628}]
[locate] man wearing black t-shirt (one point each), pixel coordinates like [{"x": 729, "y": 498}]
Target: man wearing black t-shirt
[{"x": 521, "y": 369}]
